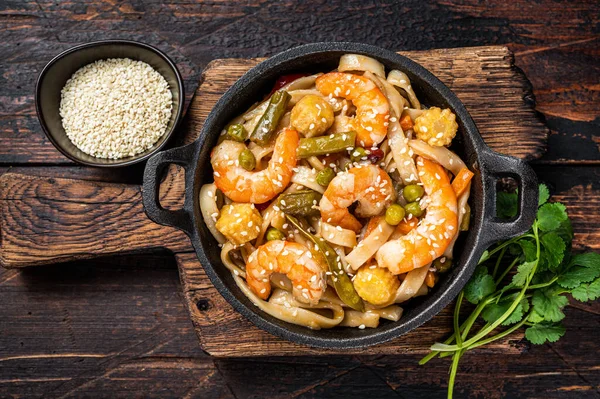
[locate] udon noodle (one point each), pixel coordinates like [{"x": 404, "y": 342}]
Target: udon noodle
[{"x": 336, "y": 198}]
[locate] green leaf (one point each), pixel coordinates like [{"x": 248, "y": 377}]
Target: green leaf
[
  {"x": 550, "y": 216},
  {"x": 554, "y": 250},
  {"x": 565, "y": 231},
  {"x": 494, "y": 311},
  {"x": 548, "y": 303},
  {"x": 485, "y": 256},
  {"x": 506, "y": 205},
  {"x": 544, "y": 194},
  {"x": 587, "y": 292},
  {"x": 523, "y": 271},
  {"x": 535, "y": 317},
  {"x": 583, "y": 268},
  {"x": 529, "y": 249},
  {"x": 480, "y": 285},
  {"x": 542, "y": 332}
]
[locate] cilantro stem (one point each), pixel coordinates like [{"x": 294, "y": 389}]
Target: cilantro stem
[
  {"x": 486, "y": 330},
  {"x": 542, "y": 285},
  {"x": 498, "y": 261},
  {"x": 457, "y": 335},
  {"x": 453, "y": 371},
  {"x": 501, "y": 334},
  {"x": 504, "y": 244},
  {"x": 514, "y": 262}
]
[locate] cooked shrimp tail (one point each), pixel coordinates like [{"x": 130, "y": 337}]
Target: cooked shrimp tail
[
  {"x": 241, "y": 185},
  {"x": 369, "y": 185},
  {"x": 372, "y": 106},
  {"x": 435, "y": 231},
  {"x": 294, "y": 260}
]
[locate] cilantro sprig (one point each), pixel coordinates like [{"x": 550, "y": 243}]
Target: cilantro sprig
[{"x": 522, "y": 282}]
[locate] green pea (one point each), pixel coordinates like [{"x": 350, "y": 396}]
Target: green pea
[
  {"x": 325, "y": 177},
  {"x": 394, "y": 214},
  {"x": 274, "y": 234},
  {"x": 442, "y": 264},
  {"x": 247, "y": 160},
  {"x": 413, "y": 192},
  {"x": 237, "y": 132},
  {"x": 358, "y": 154},
  {"x": 414, "y": 209}
]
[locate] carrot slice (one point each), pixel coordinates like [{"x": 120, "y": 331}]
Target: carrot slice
[
  {"x": 461, "y": 181},
  {"x": 406, "y": 123},
  {"x": 405, "y": 226}
]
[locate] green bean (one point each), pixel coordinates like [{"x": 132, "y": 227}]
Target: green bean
[
  {"x": 322, "y": 145},
  {"x": 247, "y": 160},
  {"x": 267, "y": 124},
  {"x": 325, "y": 176},
  {"x": 341, "y": 282},
  {"x": 274, "y": 234},
  {"x": 394, "y": 214},
  {"x": 237, "y": 132},
  {"x": 464, "y": 224},
  {"x": 444, "y": 266},
  {"x": 301, "y": 203},
  {"x": 358, "y": 154}
]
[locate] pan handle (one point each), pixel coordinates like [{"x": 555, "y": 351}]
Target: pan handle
[
  {"x": 495, "y": 166},
  {"x": 181, "y": 219}
]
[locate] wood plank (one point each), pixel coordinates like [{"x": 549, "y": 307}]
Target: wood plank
[
  {"x": 216, "y": 321},
  {"x": 47, "y": 220},
  {"x": 468, "y": 71}
]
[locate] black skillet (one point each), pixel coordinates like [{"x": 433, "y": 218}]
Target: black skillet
[{"x": 487, "y": 165}]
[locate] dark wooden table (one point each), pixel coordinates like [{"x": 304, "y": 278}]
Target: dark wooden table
[{"x": 117, "y": 326}]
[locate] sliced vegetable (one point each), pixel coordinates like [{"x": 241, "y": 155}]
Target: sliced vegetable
[
  {"x": 267, "y": 124},
  {"x": 322, "y": 145},
  {"x": 461, "y": 181},
  {"x": 341, "y": 282},
  {"x": 443, "y": 264},
  {"x": 237, "y": 132},
  {"x": 325, "y": 176},
  {"x": 464, "y": 224},
  {"x": 406, "y": 122},
  {"x": 358, "y": 154},
  {"x": 300, "y": 203},
  {"x": 274, "y": 234},
  {"x": 431, "y": 278},
  {"x": 286, "y": 80}
]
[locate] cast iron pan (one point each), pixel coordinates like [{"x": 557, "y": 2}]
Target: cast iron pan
[{"x": 485, "y": 229}]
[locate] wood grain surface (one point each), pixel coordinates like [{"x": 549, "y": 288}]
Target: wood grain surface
[
  {"x": 118, "y": 327},
  {"x": 46, "y": 221},
  {"x": 52, "y": 220}
]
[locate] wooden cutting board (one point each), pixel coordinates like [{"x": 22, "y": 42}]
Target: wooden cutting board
[{"x": 47, "y": 220}]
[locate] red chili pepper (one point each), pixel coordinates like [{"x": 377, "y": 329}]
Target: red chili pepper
[
  {"x": 375, "y": 156},
  {"x": 263, "y": 206},
  {"x": 285, "y": 79}
]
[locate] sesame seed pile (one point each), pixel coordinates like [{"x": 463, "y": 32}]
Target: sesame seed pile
[{"x": 115, "y": 108}]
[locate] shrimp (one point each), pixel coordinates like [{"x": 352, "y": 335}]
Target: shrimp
[
  {"x": 434, "y": 232},
  {"x": 241, "y": 185},
  {"x": 372, "y": 107},
  {"x": 292, "y": 259},
  {"x": 370, "y": 185}
]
